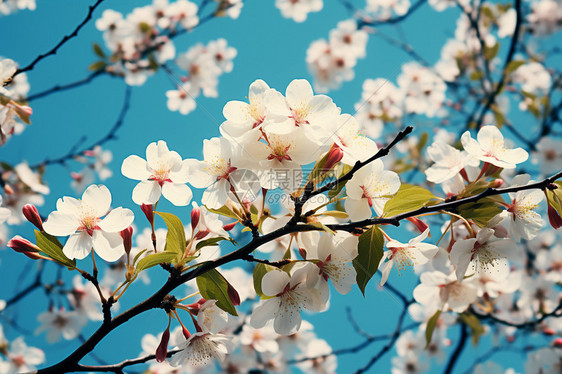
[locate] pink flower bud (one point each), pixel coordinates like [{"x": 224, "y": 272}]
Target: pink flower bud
[
  {"x": 127, "y": 236},
  {"x": 201, "y": 234},
  {"x": 549, "y": 331},
  {"x": 21, "y": 245},
  {"x": 553, "y": 217},
  {"x": 420, "y": 225},
  {"x": 302, "y": 252},
  {"x": 496, "y": 183},
  {"x": 195, "y": 215},
  {"x": 89, "y": 153},
  {"x": 162, "y": 350},
  {"x": 148, "y": 212},
  {"x": 233, "y": 295},
  {"x": 557, "y": 343},
  {"x": 335, "y": 154},
  {"x": 229, "y": 226},
  {"x": 32, "y": 215}
]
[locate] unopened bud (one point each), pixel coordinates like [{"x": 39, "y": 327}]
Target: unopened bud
[
  {"x": 496, "y": 183},
  {"x": 8, "y": 189},
  {"x": 32, "y": 215},
  {"x": 233, "y": 295},
  {"x": 148, "y": 212},
  {"x": 420, "y": 225},
  {"x": 553, "y": 217},
  {"x": 302, "y": 252},
  {"x": 195, "y": 215},
  {"x": 162, "y": 350},
  {"x": 186, "y": 333},
  {"x": 127, "y": 236},
  {"x": 201, "y": 234},
  {"x": 335, "y": 154},
  {"x": 549, "y": 331},
  {"x": 21, "y": 245},
  {"x": 557, "y": 343},
  {"x": 229, "y": 226}
]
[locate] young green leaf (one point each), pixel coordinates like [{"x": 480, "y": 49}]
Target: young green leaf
[
  {"x": 213, "y": 286},
  {"x": 52, "y": 247},
  {"x": 407, "y": 199},
  {"x": 155, "y": 259},
  {"x": 259, "y": 271},
  {"x": 430, "y": 327},
  {"x": 370, "y": 253},
  {"x": 175, "y": 238}
]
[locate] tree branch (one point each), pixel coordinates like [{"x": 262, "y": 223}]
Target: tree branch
[
  {"x": 65, "y": 39},
  {"x": 458, "y": 350}
]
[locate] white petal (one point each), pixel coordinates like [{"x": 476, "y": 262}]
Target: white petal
[
  {"x": 288, "y": 319},
  {"x": 109, "y": 246},
  {"x": 117, "y": 220},
  {"x": 147, "y": 192},
  {"x": 215, "y": 195},
  {"x": 264, "y": 312},
  {"x": 136, "y": 168},
  {"x": 177, "y": 193},
  {"x": 358, "y": 209},
  {"x": 299, "y": 92},
  {"x": 198, "y": 176},
  {"x": 61, "y": 224},
  {"x": 78, "y": 246},
  {"x": 274, "y": 282},
  {"x": 97, "y": 198}
]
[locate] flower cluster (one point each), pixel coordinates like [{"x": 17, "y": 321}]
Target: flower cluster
[{"x": 13, "y": 90}]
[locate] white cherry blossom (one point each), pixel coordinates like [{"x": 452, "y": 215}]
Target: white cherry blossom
[
  {"x": 441, "y": 291},
  {"x": 368, "y": 188},
  {"x": 163, "y": 173},
  {"x": 81, "y": 219},
  {"x": 490, "y": 147},
  {"x": 200, "y": 349},
  {"x": 298, "y": 9},
  {"x": 401, "y": 255},
  {"x": 449, "y": 162},
  {"x": 60, "y": 322}
]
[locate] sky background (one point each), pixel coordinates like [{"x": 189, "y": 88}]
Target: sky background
[{"x": 269, "y": 47}]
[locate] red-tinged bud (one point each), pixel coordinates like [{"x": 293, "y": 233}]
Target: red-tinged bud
[
  {"x": 195, "y": 215},
  {"x": 491, "y": 170},
  {"x": 89, "y": 153},
  {"x": 229, "y": 226},
  {"x": 21, "y": 245},
  {"x": 496, "y": 183},
  {"x": 553, "y": 217},
  {"x": 510, "y": 338},
  {"x": 162, "y": 350},
  {"x": 302, "y": 252},
  {"x": 420, "y": 225},
  {"x": 233, "y": 295},
  {"x": 127, "y": 236},
  {"x": 8, "y": 189},
  {"x": 557, "y": 343},
  {"x": 76, "y": 176},
  {"x": 464, "y": 175},
  {"x": 32, "y": 215},
  {"x": 201, "y": 234},
  {"x": 335, "y": 154},
  {"x": 148, "y": 211},
  {"x": 549, "y": 331}
]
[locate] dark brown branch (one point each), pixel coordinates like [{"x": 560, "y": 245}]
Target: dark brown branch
[
  {"x": 529, "y": 324},
  {"x": 458, "y": 350},
  {"x": 65, "y": 39},
  {"x": 111, "y": 134},
  {"x": 67, "y": 86}
]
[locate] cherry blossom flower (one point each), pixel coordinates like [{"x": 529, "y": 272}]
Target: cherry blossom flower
[
  {"x": 163, "y": 173},
  {"x": 335, "y": 261},
  {"x": 401, "y": 255},
  {"x": 355, "y": 146},
  {"x": 301, "y": 108},
  {"x": 441, "y": 291},
  {"x": 369, "y": 187},
  {"x": 289, "y": 295},
  {"x": 448, "y": 162},
  {"x": 490, "y": 147},
  {"x": 424, "y": 91},
  {"x": 485, "y": 252},
  {"x": 201, "y": 348},
  {"x": 211, "y": 318},
  {"x": 298, "y": 9},
  {"x": 21, "y": 358},
  {"x": 323, "y": 362},
  {"x": 59, "y": 322},
  {"x": 548, "y": 155},
  {"x": 262, "y": 340},
  {"x": 181, "y": 100},
  {"x": 81, "y": 219},
  {"x": 241, "y": 117}
]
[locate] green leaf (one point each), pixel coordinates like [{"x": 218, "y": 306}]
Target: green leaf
[
  {"x": 476, "y": 75},
  {"x": 430, "y": 327},
  {"x": 52, "y": 247},
  {"x": 213, "y": 286},
  {"x": 340, "y": 185},
  {"x": 213, "y": 241},
  {"x": 475, "y": 326},
  {"x": 370, "y": 253},
  {"x": 259, "y": 271},
  {"x": 224, "y": 211},
  {"x": 491, "y": 52},
  {"x": 155, "y": 259},
  {"x": 98, "y": 65},
  {"x": 138, "y": 255},
  {"x": 407, "y": 199},
  {"x": 323, "y": 227},
  {"x": 498, "y": 116},
  {"x": 98, "y": 50},
  {"x": 424, "y": 137},
  {"x": 514, "y": 65},
  {"x": 480, "y": 212},
  {"x": 335, "y": 214},
  {"x": 175, "y": 238}
]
